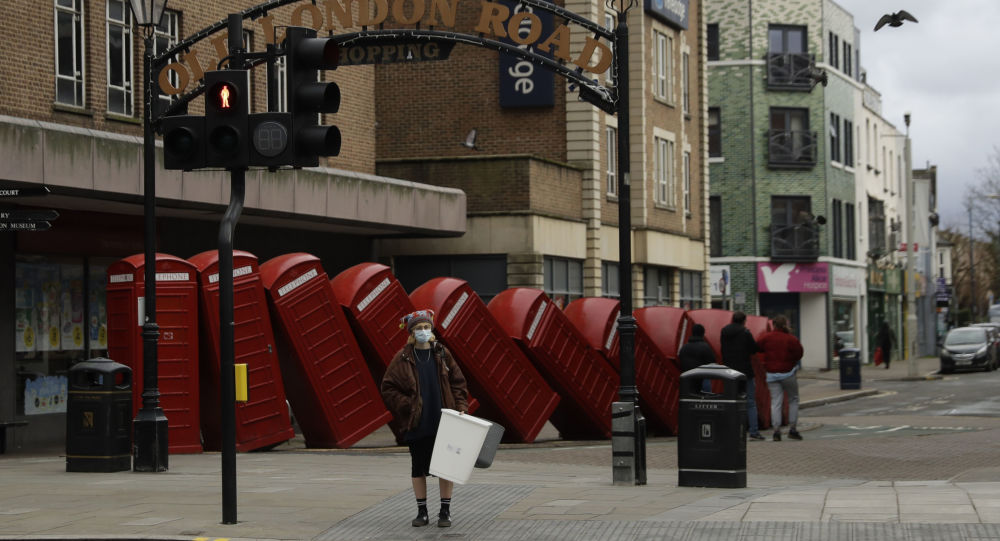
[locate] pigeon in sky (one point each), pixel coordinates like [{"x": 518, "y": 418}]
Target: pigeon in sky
[
  {"x": 896, "y": 19},
  {"x": 470, "y": 140}
]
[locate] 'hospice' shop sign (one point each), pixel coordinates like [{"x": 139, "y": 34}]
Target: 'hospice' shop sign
[
  {"x": 793, "y": 277},
  {"x": 523, "y": 84},
  {"x": 673, "y": 12}
]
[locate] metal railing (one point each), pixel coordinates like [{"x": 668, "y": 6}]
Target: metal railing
[
  {"x": 791, "y": 148},
  {"x": 797, "y": 242},
  {"x": 790, "y": 71}
]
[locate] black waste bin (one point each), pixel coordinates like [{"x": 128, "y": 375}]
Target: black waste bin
[
  {"x": 712, "y": 434},
  {"x": 99, "y": 417},
  {"x": 850, "y": 368}
]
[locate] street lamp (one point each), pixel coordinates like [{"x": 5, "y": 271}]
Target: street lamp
[
  {"x": 149, "y": 441},
  {"x": 911, "y": 301}
]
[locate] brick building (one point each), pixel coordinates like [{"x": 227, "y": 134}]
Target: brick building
[{"x": 535, "y": 204}]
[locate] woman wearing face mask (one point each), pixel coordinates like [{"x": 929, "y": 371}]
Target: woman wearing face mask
[{"x": 421, "y": 379}]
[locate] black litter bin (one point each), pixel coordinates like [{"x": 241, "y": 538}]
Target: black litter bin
[
  {"x": 850, "y": 368},
  {"x": 712, "y": 434},
  {"x": 99, "y": 417}
]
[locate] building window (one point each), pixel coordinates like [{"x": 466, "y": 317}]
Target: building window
[
  {"x": 166, "y": 36},
  {"x": 563, "y": 280},
  {"x": 119, "y": 23},
  {"x": 663, "y": 68},
  {"x": 849, "y": 230},
  {"x": 70, "y": 70},
  {"x": 848, "y": 57},
  {"x": 611, "y": 24},
  {"x": 656, "y": 288},
  {"x": 715, "y": 225},
  {"x": 714, "y": 132},
  {"x": 834, "y": 137},
  {"x": 685, "y": 83},
  {"x": 848, "y": 143},
  {"x": 712, "y": 31},
  {"x": 834, "y": 50},
  {"x": 838, "y": 240},
  {"x": 786, "y": 39},
  {"x": 691, "y": 290},
  {"x": 687, "y": 183},
  {"x": 790, "y": 142},
  {"x": 612, "y": 160},
  {"x": 663, "y": 172},
  {"x": 610, "y": 283},
  {"x": 876, "y": 226},
  {"x": 281, "y": 77}
]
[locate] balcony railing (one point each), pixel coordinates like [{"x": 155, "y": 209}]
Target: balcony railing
[
  {"x": 798, "y": 242},
  {"x": 790, "y": 71},
  {"x": 791, "y": 148}
]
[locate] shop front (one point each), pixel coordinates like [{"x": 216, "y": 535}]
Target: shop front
[
  {"x": 877, "y": 306},
  {"x": 799, "y": 291},
  {"x": 846, "y": 295},
  {"x": 893, "y": 301}
]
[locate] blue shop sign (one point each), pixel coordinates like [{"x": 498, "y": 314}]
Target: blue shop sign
[
  {"x": 672, "y": 12},
  {"x": 522, "y": 83}
]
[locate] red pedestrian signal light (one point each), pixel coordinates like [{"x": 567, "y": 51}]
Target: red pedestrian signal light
[
  {"x": 226, "y": 115},
  {"x": 224, "y": 97}
]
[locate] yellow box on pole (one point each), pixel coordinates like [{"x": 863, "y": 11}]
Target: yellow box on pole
[{"x": 241, "y": 382}]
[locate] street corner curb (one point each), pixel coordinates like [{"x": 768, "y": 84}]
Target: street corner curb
[{"x": 837, "y": 398}]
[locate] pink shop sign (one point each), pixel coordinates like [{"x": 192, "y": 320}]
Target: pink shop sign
[{"x": 793, "y": 277}]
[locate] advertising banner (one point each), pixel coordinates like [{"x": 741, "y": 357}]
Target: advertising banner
[
  {"x": 793, "y": 277},
  {"x": 719, "y": 280},
  {"x": 522, "y": 83}
]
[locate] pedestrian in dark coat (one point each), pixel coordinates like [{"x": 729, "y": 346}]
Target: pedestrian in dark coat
[
  {"x": 421, "y": 379},
  {"x": 697, "y": 351},
  {"x": 738, "y": 346},
  {"x": 885, "y": 339}
]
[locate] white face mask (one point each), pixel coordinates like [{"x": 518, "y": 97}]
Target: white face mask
[{"x": 422, "y": 335}]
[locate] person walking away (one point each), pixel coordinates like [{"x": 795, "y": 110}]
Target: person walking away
[
  {"x": 782, "y": 356},
  {"x": 422, "y": 378},
  {"x": 697, "y": 352},
  {"x": 738, "y": 346},
  {"x": 886, "y": 339}
]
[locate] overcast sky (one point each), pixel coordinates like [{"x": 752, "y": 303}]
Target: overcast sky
[{"x": 944, "y": 70}]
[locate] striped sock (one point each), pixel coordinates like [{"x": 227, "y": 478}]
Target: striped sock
[
  {"x": 422, "y": 506},
  {"x": 445, "y": 505}
]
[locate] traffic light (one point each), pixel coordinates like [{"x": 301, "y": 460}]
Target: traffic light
[
  {"x": 270, "y": 139},
  {"x": 307, "y": 97},
  {"x": 183, "y": 142},
  {"x": 226, "y": 115}
]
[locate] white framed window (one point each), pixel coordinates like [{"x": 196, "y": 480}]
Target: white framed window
[
  {"x": 664, "y": 178},
  {"x": 663, "y": 67},
  {"x": 610, "y": 23},
  {"x": 687, "y": 183},
  {"x": 281, "y": 74},
  {"x": 121, "y": 98},
  {"x": 166, "y": 36},
  {"x": 70, "y": 70},
  {"x": 685, "y": 83},
  {"x": 611, "y": 158}
]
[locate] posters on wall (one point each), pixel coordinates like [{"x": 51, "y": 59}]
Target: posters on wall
[
  {"x": 45, "y": 394},
  {"x": 50, "y": 336},
  {"x": 25, "y": 312},
  {"x": 97, "y": 317},
  {"x": 71, "y": 307}
]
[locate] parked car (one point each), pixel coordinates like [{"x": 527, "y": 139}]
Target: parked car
[
  {"x": 968, "y": 348},
  {"x": 994, "y": 331}
]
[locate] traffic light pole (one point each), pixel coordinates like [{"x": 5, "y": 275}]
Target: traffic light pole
[
  {"x": 150, "y": 449},
  {"x": 227, "y": 371}
]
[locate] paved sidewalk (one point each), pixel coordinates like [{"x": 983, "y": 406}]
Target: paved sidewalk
[{"x": 549, "y": 490}]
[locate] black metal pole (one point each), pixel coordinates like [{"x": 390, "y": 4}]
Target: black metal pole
[
  {"x": 227, "y": 370},
  {"x": 149, "y": 443}
]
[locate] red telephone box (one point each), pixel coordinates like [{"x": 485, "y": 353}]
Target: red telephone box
[
  {"x": 511, "y": 387},
  {"x": 657, "y": 377},
  {"x": 663, "y": 325},
  {"x": 586, "y": 382},
  {"x": 263, "y": 420},
  {"x": 331, "y": 391},
  {"x": 177, "y": 347},
  {"x": 375, "y": 302}
]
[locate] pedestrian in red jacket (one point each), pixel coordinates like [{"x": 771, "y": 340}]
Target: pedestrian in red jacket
[{"x": 782, "y": 354}]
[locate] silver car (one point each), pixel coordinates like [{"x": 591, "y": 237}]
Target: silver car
[{"x": 967, "y": 348}]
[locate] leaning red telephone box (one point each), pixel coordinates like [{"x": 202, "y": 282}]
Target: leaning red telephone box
[
  {"x": 177, "y": 347},
  {"x": 374, "y": 302},
  {"x": 713, "y": 319},
  {"x": 497, "y": 370},
  {"x": 664, "y": 326},
  {"x": 586, "y": 382},
  {"x": 657, "y": 377},
  {"x": 328, "y": 385},
  {"x": 263, "y": 420}
]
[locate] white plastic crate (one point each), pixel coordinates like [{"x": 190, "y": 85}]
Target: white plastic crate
[{"x": 456, "y": 448}]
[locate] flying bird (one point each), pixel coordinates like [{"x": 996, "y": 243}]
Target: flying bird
[
  {"x": 896, "y": 19},
  {"x": 470, "y": 140}
]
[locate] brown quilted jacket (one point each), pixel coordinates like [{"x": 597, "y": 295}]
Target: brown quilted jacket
[{"x": 401, "y": 393}]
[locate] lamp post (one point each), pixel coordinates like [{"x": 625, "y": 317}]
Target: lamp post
[
  {"x": 149, "y": 441},
  {"x": 911, "y": 301}
]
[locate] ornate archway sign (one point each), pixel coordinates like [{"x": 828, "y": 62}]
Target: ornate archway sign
[{"x": 427, "y": 30}]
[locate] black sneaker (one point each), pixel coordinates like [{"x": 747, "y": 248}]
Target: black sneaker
[
  {"x": 421, "y": 520},
  {"x": 794, "y": 434},
  {"x": 444, "y": 520},
  {"x": 757, "y": 437},
  {"x": 777, "y": 435}
]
